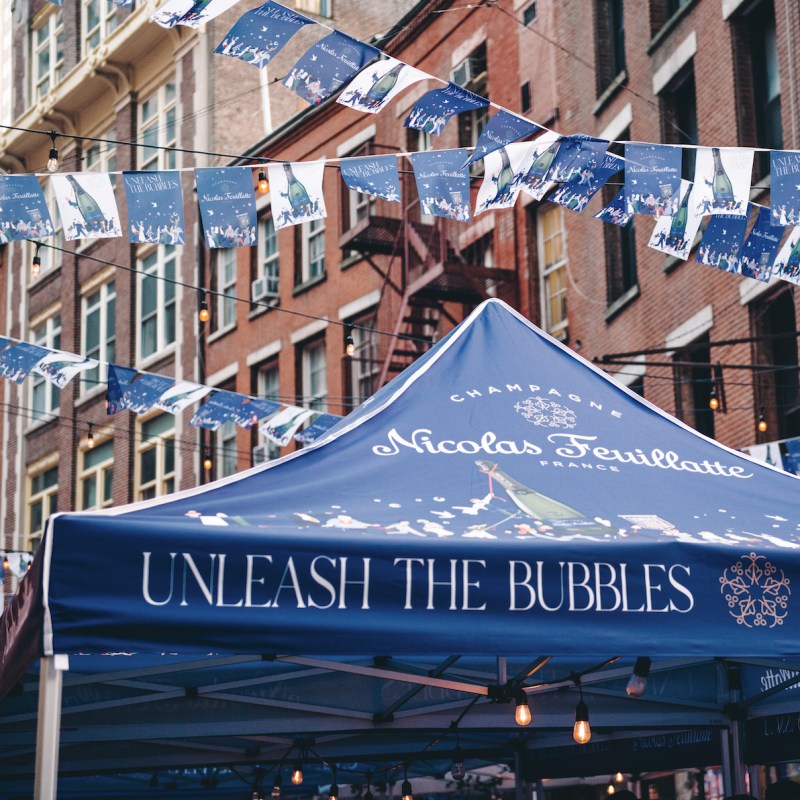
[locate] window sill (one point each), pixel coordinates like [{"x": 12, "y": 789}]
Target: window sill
[
  {"x": 37, "y": 425},
  {"x": 304, "y": 287},
  {"x": 156, "y": 358},
  {"x": 261, "y": 308},
  {"x": 667, "y": 28},
  {"x": 622, "y": 302},
  {"x": 220, "y": 333},
  {"x": 610, "y": 92},
  {"x": 351, "y": 260},
  {"x": 670, "y": 263}
]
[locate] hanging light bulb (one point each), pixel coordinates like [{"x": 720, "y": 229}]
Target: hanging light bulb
[
  {"x": 297, "y": 774},
  {"x": 581, "y": 732},
  {"x": 52, "y": 158},
  {"x": 523, "y": 713},
  {"x": 333, "y": 792},
  {"x": 619, "y": 778},
  {"x": 349, "y": 344},
  {"x": 457, "y": 770},
  {"x": 713, "y": 400},
  {"x": 762, "y": 423},
  {"x": 257, "y": 793},
  {"x": 207, "y": 464},
  {"x": 638, "y": 682},
  {"x": 405, "y": 789},
  {"x": 263, "y": 183},
  {"x": 90, "y": 437},
  {"x": 277, "y": 785},
  {"x": 203, "y": 314},
  {"x": 5, "y": 563},
  {"x": 36, "y": 264},
  {"x": 610, "y": 788}
]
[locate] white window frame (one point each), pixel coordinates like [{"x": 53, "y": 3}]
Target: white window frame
[
  {"x": 223, "y": 313},
  {"x": 107, "y": 22},
  {"x": 268, "y": 264},
  {"x": 554, "y": 328},
  {"x": 99, "y": 301},
  {"x": 53, "y": 45},
  {"x": 101, "y": 474},
  {"x": 164, "y": 481},
  {"x": 314, "y": 374},
  {"x": 322, "y": 8},
  {"x": 268, "y": 385},
  {"x": 158, "y": 128},
  {"x": 159, "y": 265},
  {"x": 225, "y": 450},
  {"x": 47, "y": 496},
  {"x": 312, "y": 233},
  {"x": 45, "y": 333},
  {"x": 365, "y": 367},
  {"x": 99, "y": 156}
]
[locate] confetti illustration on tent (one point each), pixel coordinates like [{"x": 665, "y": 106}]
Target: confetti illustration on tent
[
  {"x": 297, "y": 192},
  {"x": 652, "y": 178},
  {"x": 722, "y": 180},
  {"x": 227, "y": 206},
  {"x": 155, "y": 207},
  {"x": 443, "y": 183},
  {"x": 433, "y": 110},
  {"x": 87, "y": 206},
  {"x": 784, "y": 187},
  {"x": 761, "y": 247},
  {"x": 722, "y": 241},
  {"x": 327, "y": 65},
  {"x": 23, "y": 210},
  {"x": 502, "y": 129},
  {"x": 378, "y": 84},
  {"x": 191, "y": 13},
  {"x": 575, "y": 194},
  {"x": 674, "y": 235},
  {"x": 373, "y": 175},
  {"x": 259, "y": 35}
]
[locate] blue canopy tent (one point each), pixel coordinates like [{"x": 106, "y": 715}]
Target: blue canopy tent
[{"x": 502, "y": 517}]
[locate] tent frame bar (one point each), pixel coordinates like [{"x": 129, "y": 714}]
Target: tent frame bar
[{"x": 51, "y": 678}]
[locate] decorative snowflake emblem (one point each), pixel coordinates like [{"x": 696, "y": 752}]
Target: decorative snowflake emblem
[
  {"x": 756, "y": 591},
  {"x": 547, "y": 413}
]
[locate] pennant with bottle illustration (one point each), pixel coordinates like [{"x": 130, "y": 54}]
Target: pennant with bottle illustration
[
  {"x": 722, "y": 242},
  {"x": 227, "y": 206},
  {"x": 784, "y": 187},
  {"x": 432, "y": 111},
  {"x": 442, "y": 183},
  {"x": 787, "y": 262},
  {"x": 18, "y": 563},
  {"x": 155, "y": 207},
  {"x": 191, "y": 13},
  {"x": 761, "y": 247},
  {"x": 143, "y": 391},
  {"x": 575, "y": 154},
  {"x": 575, "y": 194},
  {"x": 373, "y": 175},
  {"x": 539, "y": 157},
  {"x": 722, "y": 180},
  {"x": 322, "y": 424},
  {"x": 675, "y": 235},
  {"x": 119, "y": 378},
  {"x": 378, "y": 84},
  {"x": 60, "y": 368},
  {"x": 502, "y": 129},
  {"x": 182, "y": 394},
  {"x": 17, "y": 361},
  {"x": 297, "y": 192},
  {"x": 280, "y": 428},
  {"x": 23, "y": 210},
  {"x": 260, "y": 34},
  {"x": 254, "y": 409},
  {"x": 500, "y": 186},
  {"x": 327, "y": 65},
  {"x": 87, "y": 206},
  {"x": 217, "y": 410},
  {"x": 652, "y": 178}
]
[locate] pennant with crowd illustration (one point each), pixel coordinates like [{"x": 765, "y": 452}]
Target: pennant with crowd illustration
[
  {"x": 722, "y": 180},
  {"x": 787, "y": 262},
  {"x": 119, "y": 378},
  {"x": 502, "y": 129},
  {"x": 761, "y": 247},
  {"x": 296, "y": 190},
  {"x": 23, "y": 210},
  {"x": 280, "y": 428},
  {"x": 722, "y": 242},
  {"x": 60, "y": 368},
  {"x": 575, "y": 194},
  {"x": 191, "y": 13},
  {"x": 322, "y": 424},
  {"x": 17, "y": 361},
  {"x": 378, "y": 84},
  {"x": 327, "y": 65},
  {"x": 675, "y": 235},
  {"x": 155, "y": 207},
  {"x": 784, "y": 187},
  {"x": 260, "y": 34},
  {"x": 373, "y": 175},
  {"x": 433, "y": 110},
  {"x": 576, "y": 154},
  {"x": 616, "y": 212},
  {"x": 87, "y": 206},
  {"x": 143, "y": 392},
  {"x": 653, "y": 178},
  {"x": 227, "y": 206},
  {"x": 500, "y": 186},
  {"x": 443, "y": 183},
  {"x": 539, "y": 157},
  {"x": 181, "y": 395},
  {"x": 220, "y": 407},
  {"x": 253, "y": 409}
]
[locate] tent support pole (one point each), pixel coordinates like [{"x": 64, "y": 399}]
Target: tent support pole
[
  {"x": 727, "y": 772},
  {"x": 737, "y": 757},
  {"x": 51, "y": 671},
  {"x": 519, "y": 784}
]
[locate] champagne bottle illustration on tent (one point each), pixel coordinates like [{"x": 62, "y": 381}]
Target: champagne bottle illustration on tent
[
  {"x": 296, "y": 193},
  {"x": 380, "y": 89},
  {"x": 721, "y": 185},
  {"x": 538, "y": 506},
  {"x": 89, "y": 209}
]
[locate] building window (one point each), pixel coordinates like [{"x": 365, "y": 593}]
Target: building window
[
  {"x": 313, "y": 391},
  {"x": 42, "y": 502},
  {"x": 99, "y": 19},
  {"x": 156, "y": 301},
  {"x": 525, "y": 96},
  {"x": 357, "y": 206},
  {"x": 553, "y": 261},
  {"x": 157, "y": 128},
  {"x": 312, "y": 255},
  {"x": 620, "y": 246},
  {"x": 96, "y": 475},
  {"x": 322, "y": 8},
  {"x": 101, "y": 157},
  {"x": 98, "y": 314},
  {"x": 223, "y": 282},
  {"x": 662, "y": 11},
  {"x": 773, "y": 321},
  {"x": 44, "y": 394},
  {"x": 268, "y": 388},
  {"x": 693, "y": 383},
  {"x": 266, "y": 286},
  {"x": 529, "y": 14},
  {"x": 472, "y": 73},
  {"x": 50, "y": 256},
  {"x": 225, "y": 449},
  {"x": 48, "y": 54},
  {"x": 679, "y": 116},
  {"x": 155, "y": 457},
  {"x": 364, "y": 365},
  {"x": 610, "y": 42}
]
